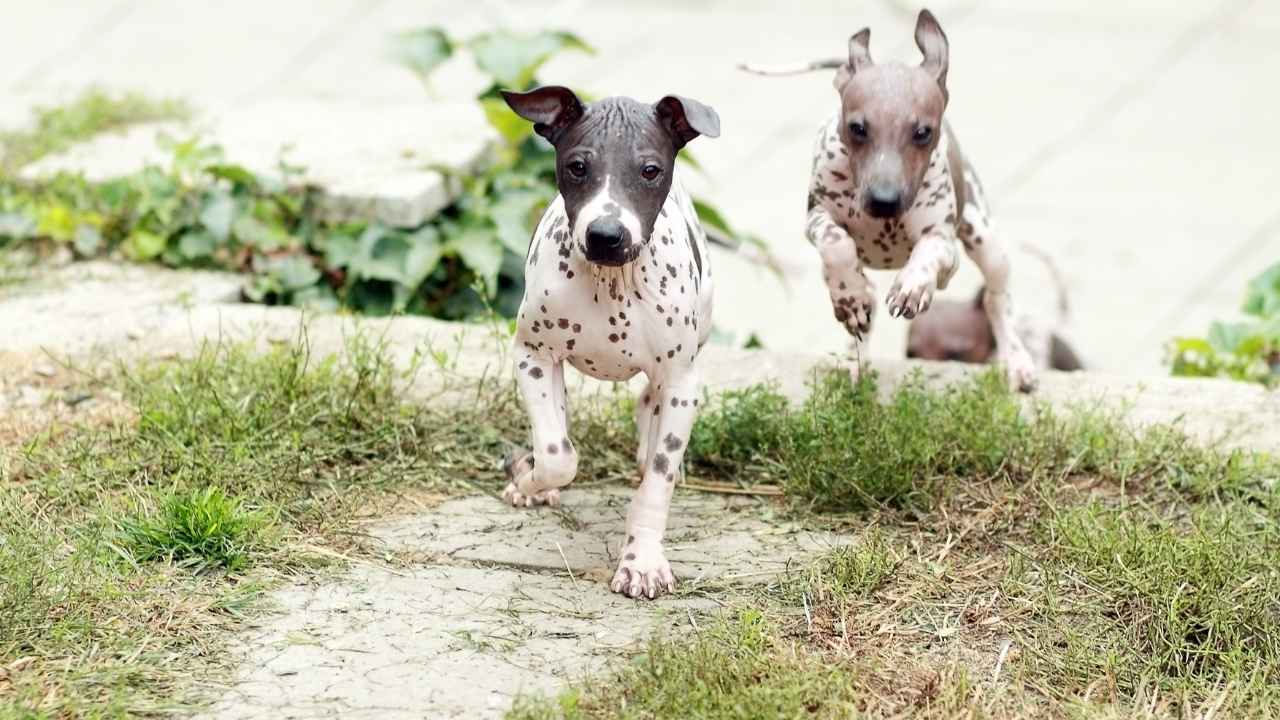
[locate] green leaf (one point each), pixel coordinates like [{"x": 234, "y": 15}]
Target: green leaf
[
  {"x": 237, "y": 175},
  {"x": 57, "y": 222},
  {"x": 425, "y": 251},
  {"x": 340, "y": 250},
  {"x": 88, "y": 241},
  {"x": 1227, "y": 337},
  {"x": 1263, "y": 296},
  {"x": 257, "y": 234},
  {"x": 144, "y": 245},
  {"x": 294, "y": 272},
  {"x": 196, "y": 245},
  {"x": 421, "y": 50},
  {"x": 513, "y": 128},
  {"x": 514, "y": 215},
  {"x": 481, "y": 250},
  {"x": 218, "y": 214},
  {"x": 316, "y": 297},
  {"x": 512, "y": 59},
  {"x": 382, "y": 255}
]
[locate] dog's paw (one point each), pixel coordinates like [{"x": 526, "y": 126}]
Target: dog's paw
[
  {"x": 1020, "y": 371},
  {"x": 512, "y": 494},
  {"x": 911, "y": 293},
  {"x": 643, "y": 571},
  {"x": 854, "y": 313}
]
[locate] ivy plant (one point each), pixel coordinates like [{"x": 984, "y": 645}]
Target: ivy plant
[{"x": 1248, "y": 350}]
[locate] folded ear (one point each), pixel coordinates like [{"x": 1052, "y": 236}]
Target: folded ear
[
  {"x": 686, "y": 119},
  {"x": 933, "y": 44},
  {"x": 551, "y": 109},
  {"x": 859, "y": 57}
]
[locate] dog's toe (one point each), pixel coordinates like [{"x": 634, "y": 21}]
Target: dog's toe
[
  {"x": 513, "y": 495},
  {"x": 643, "y": 573}
]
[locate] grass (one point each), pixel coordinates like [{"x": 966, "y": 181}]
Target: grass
[
  {"x": 57, "y": 128},
  {"x": 1090, "y": 567},
  {"x": 200, "y": 529}
]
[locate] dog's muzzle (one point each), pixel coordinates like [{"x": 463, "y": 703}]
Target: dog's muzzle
[
  {"x": 609, "y": 243},
  {"x": 884, "y": 202}
]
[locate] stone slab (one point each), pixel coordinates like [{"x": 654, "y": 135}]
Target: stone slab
[{"x": 371, "y": 161}]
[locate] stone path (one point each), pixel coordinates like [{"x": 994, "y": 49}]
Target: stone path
[
  {"x": 496, "y": 612},
  {"x": 1129, "y": 138},
  {"x": 478, "y": 601}
]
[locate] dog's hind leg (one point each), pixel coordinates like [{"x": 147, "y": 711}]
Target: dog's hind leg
[
  {"x": 992, "y": 257},
  {"x": 536, "y": 478}
]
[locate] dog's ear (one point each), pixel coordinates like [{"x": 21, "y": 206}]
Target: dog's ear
[
  {"x": 686, "y": 119},
  {"x": 551, "y": 109},
  {"x": 933, "y": 45},
  {"x": 859, "y": 57}
]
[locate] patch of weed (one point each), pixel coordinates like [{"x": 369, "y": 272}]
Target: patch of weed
[
  {"x": 849, "y": 572},
  {"x": 201, "y": 529},
  {"x": 1190, "y": 605},
  {"x": 57, "y": 128}
]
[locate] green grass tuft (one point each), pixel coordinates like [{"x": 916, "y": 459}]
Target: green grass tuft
[
  {"x": 849, "y": 572},
  {"x": 201, "y": 529}
]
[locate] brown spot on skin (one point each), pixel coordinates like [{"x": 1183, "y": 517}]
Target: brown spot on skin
[
  {"x": 661, "y": 463},
  {"x": 671, "y": 477},
  {"x": 673, "y": 443},
  {"x": 631, "y": 556},
  {"x": 524, "y": 364},
  {"x": 613, "y": 337},
  {"x": 570, "y": 343},
  {"x": 563, "y": 323},
  {"x": 674, "y": 402},
  {"x": 568, "y": 446},
  {"x": 535, "y": 373},
  {"x": 631, "y": 539},
  {"x": 552, "y": 449},
  {"x": 577, "y": 327}
]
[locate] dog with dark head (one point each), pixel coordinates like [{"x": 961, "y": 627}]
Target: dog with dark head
[
  {"x": 890, "y": 190},
  {"x": 617, "y": 282}
]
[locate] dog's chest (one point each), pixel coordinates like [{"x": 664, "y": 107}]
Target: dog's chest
[
  {"x": 612, "y": 323},
  {"x": 881, "y": 243}
]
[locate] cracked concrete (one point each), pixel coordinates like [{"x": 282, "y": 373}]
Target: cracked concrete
[{"x": 500, "y": 614}]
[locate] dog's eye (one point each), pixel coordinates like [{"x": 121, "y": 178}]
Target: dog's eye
[
  {"x": 858, "y": 131},
  {"x": 922, "y": 135},
  {"x": 577, "y": 168},
  {"x": 650, "y": 172}
]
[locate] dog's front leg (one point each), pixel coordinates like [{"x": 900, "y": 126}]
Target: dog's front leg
[
  {"x": 933, "y": 261},
  {"x": 643, "y": 569},
  {"x": 535, "y": 478},
  {"x": 852, "y": 294}
]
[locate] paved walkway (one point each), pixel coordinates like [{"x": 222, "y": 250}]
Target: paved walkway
[{"x": 1134, "y": 139}]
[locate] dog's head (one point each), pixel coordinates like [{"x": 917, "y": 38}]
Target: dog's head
[
  {"x": 614, "y": 162},
  {"x": 891, "y": 118},
  {"x": 954, "y": 331}
]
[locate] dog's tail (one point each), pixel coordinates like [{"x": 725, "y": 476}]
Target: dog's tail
[
  {"x": 1060, "y": 283},
  {"x": 793, "y": 68},
  {"x": 751, "y": 253}
]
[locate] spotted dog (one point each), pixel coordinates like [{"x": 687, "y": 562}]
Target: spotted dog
[
  {"x": 890, "y": 190},
  {"x": 617, "y": 282}
]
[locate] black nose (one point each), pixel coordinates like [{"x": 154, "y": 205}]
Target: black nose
[
  {"x": 606, "y": 240},
  {"x": 884, "y": 202}
]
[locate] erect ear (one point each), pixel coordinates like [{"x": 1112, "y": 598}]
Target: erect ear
[
  {"x": 933, "y": 44},
  {"x": 859, "y": 57},
  {"x": 686, "y": 119},
  {"x": 551, "y": 109}
]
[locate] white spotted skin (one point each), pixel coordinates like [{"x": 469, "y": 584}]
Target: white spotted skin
[
  {"x": 649, "y": 316},
  {"x": 922, "y": 244}
]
